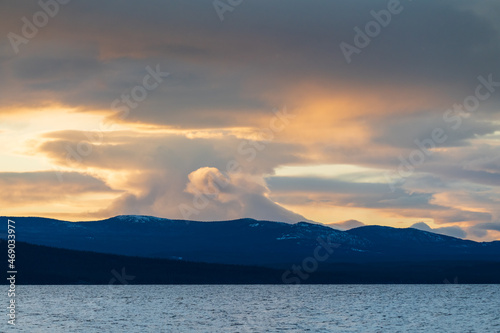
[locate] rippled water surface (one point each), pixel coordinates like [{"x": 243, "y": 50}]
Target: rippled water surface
[{"x": 285, "y": 308}]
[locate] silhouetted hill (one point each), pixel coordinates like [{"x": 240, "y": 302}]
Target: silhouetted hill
[
  {"x": 44, "y": 265},
  {"x": 247, "y": 241}
]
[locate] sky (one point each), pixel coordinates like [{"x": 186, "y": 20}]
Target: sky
[{"x": 335, "y": 112}]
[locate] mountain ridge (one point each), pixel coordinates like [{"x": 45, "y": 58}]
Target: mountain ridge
[
  {"x": 36, "y": 264},
  {"x": 245, "y": 241}
]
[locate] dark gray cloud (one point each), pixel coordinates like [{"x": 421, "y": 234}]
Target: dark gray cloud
[
  {"x": 489, "y": 226},
  {"x": 369, "y": 195},
  {"x": 415, "y": 130},
  {"x": 303, "y": 190},
  {"x": 448, "y": 231},
  {"x": 176, "y": 152},
  {"x": 483, "y": 229},
  {"x": 264, "y": 47},
  {"x": 21, "y": 188}
]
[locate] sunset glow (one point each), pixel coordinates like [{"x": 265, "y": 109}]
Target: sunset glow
[{"x": 126, "y": 117}]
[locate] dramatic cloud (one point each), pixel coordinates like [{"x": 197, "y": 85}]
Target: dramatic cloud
[
  {"x": 20, "y": 188},
  {"x": 34, "y": 193},
  {"x": 245, "y": 194},
  {"x": 448, "y": 231},
  {"x": 153, "y": 105}
]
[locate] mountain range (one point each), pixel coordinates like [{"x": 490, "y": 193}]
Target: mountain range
[{"x": 247, "y": 241}]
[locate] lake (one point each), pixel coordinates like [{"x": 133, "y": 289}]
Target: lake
[{"x": 258, "y": 308}]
